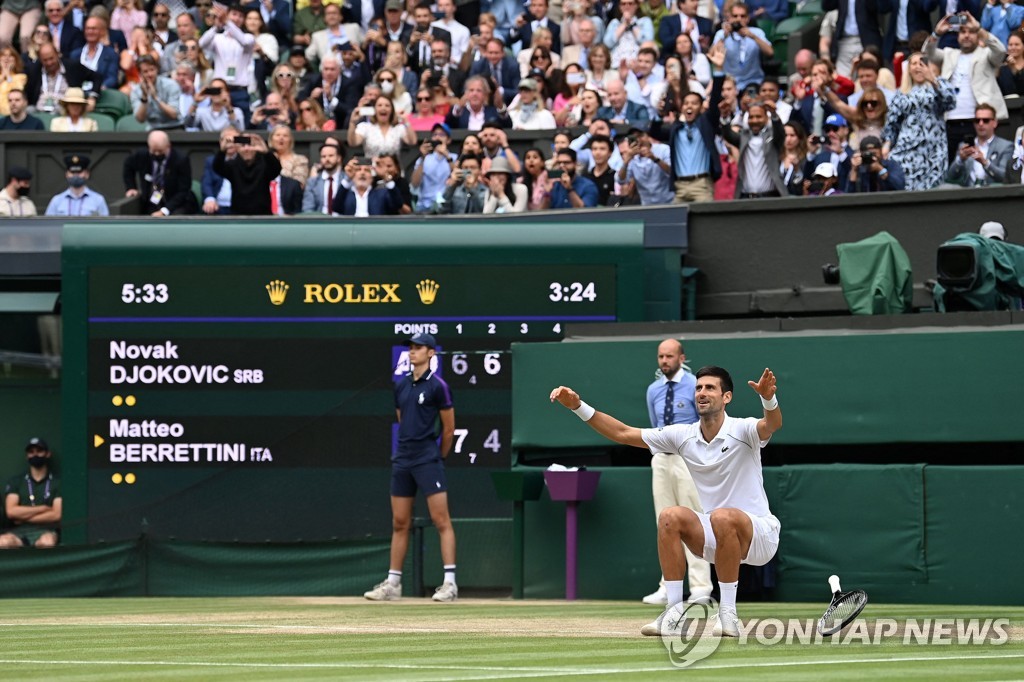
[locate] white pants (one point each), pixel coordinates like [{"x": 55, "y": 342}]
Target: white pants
[
  {"x": 849, "y": 49},
  {"x": 672, "y": 486},
  {"x": 763, "y": 544}
]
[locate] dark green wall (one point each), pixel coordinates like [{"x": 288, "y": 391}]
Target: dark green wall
[{"x": 833, "y": 388}]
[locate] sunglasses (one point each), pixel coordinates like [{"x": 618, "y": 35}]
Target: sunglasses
[
  {"x": 305, "y": 108},
  {"x": 831, "y": 129},
  {"x": 983, "y": 120},
  {"x": 386, "y": 80},
  {"x": 286, "y": 75},
  {"x": 161, "y": 14},
  {"x": 422, "y": 99}
]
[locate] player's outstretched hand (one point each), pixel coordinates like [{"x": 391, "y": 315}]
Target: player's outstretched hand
[
  {"x": 566, "y": 396},
  {"x": 765, "y": 386}
]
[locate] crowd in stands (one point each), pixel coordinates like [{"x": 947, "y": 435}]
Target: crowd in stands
[{"x": 643, "y": 102}]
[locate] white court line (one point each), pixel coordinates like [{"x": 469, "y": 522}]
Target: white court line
[
  {"x": 522, "y": 672},
  {"x": 327, "y": 629}
]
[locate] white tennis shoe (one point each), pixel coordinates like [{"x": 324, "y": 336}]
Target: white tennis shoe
[
  {"x": 385, "y": 592},
  {"x": 446, "y": 592},
  {"x": 668, "y": 624},
  {"x": 726, "y": 624}
]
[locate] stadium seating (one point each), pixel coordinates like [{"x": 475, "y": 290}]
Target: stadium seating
[
  {"x": 105, "y": 124},
  {"x": 113, "y": 103},
  {"x": 127, "y": 123}
]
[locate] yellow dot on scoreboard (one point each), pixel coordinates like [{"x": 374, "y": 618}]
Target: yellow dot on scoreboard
[
  {"x": 129, "y": 478},
  {"x": 129, "y": 400},
  {"x": 117, "y": 401},
  {"x": 116, "y": 478}
]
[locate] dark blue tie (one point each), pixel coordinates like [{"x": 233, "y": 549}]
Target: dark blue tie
[{"x": 670, "y": 395}]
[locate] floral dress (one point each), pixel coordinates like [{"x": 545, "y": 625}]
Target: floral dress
[{"x": 917, "y": 132}]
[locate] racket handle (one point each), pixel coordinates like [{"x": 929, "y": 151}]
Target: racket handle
[{"x": 833, "y": 582}]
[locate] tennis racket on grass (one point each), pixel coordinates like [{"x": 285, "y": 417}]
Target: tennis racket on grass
[{"x": 844, "y": 608}]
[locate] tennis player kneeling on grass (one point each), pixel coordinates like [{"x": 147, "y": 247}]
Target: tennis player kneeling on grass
[{"x": 723, "y": 455}]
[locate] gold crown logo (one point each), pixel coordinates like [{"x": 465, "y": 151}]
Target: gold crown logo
[
  {"x": 428, "y": 290},
  {"x": 277, "y": 290}
]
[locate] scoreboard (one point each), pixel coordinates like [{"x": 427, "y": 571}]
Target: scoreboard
[{"x": 247, "y": 394}]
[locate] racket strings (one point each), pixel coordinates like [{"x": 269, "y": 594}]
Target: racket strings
[{"x": 847, "y": 607}]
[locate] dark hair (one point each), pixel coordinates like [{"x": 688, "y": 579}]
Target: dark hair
[
  {"x": 649, "y": 51},
  {"x": 394, "y": 159},
  {"x": 712, "y": 371},
  {"x": 568, "y": 151},
  {"x": 471, "y": 157},
  {"x": 527, "y": 178},
  {"x": 987, "y": 107},
  {"x": 604, "y": 139}
]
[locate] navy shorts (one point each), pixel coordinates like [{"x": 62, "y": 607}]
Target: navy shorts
[{"x": 428, "y": 477}]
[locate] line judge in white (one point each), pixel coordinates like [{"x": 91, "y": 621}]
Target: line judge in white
[{"x": 723, "y": 455}]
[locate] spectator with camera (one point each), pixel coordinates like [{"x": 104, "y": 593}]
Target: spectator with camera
[
  {"x": 459, "y": 33},
  {"x": 744, "y": 47},
  {"x": 433, "y": 168},
  {"x": 231, "y": 49},
  {"x": 360, "y": 198},
  {"x": 647, "y": 168},
  {"x": 823, "y": 181},
  {"x": 871, "y": 171},
  {"x": 421, "y": 51},
  {"x": 378, "y": 128},
  {"x": 835, "y": 148},
  {"x": 464, "y": 191},
  {"x": 213, "y": 110},
  {"x": 972, "y": 69},
  {"x": 982, "y": 158},
  {"x": 565, "y": 189},
  {"x": 250, "y": 172}
]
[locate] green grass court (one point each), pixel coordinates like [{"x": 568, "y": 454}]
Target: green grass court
[{"x": 417, "y": 640}]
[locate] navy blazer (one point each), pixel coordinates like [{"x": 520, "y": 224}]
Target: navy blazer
[
  {"x": 75, "y": 73},
  {"x": 71, "y": 38},
  {"x": 919, "y": 18},
  {"x": 382, "y": 201},
  {"x": 867, "y": 20},
  {"x": 709, "y": 123},
  {"x": 843, "y": 169},
  {"x": 508, "y": 72},
  {"x": 672, "y": 25},
  {"x": 805, "y": 108},
  {"x": 352, "y": 11},
  {"x": 525, "y": 34},
  {"x": 291, "y": 195},
  {"x": 106, "y": 67},
  {"x": 212, "y": 181},
  {"x": 178, "y": 197},
  {"x": 461, "y": 120}
]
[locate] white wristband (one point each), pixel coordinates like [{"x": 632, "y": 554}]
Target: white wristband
[
  {"x": 770, "y": 405},
  {"x": 584, "y": 411}
]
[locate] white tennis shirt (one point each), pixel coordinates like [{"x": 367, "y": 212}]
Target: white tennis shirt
[{"x": 726, "y": 471}]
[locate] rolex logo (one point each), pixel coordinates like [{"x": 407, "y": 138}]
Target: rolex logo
[
  {"x": 277, "y": 290},
  {"x": 428, "y": 290}
]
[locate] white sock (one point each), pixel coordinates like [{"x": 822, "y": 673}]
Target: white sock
[
  {"x": 394, "y": 578},
  {"x": 728, "y": 591},
  {"x": 449, "y": 573},
  {"x": 674, "y": 589}
]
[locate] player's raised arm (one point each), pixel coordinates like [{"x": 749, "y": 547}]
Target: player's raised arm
[
  {"x": 772, "y": 421},
  {"x": 605, "y": 424}
]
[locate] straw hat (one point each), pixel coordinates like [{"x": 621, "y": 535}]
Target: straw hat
[{"x": 74, "y": 96}]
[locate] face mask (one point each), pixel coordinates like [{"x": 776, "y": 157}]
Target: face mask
[
  {"x": 817, "y": 187},
  {"x": 76, "y": 181},
  {"x": 38, "y": 461},
  {"x": 387, "y": 87},
  {"x": 157, "y": 157},
  {"x": 23, "y": 191},
  {"x": 528, "y": 109}
]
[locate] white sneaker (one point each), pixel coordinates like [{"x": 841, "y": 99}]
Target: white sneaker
[
  {"x": 446, "y": 592},
  {"x": 670, "y": 623},
  {"x": 725, "y": 624},
  {"x": 659, "y": 597},
  {"x": 385, "y": 592}
]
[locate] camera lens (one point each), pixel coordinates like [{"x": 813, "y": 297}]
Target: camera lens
[{"x": 830, "y": 273}]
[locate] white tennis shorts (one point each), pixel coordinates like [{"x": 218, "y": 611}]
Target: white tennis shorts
[{"x": 763, "y": 544}]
